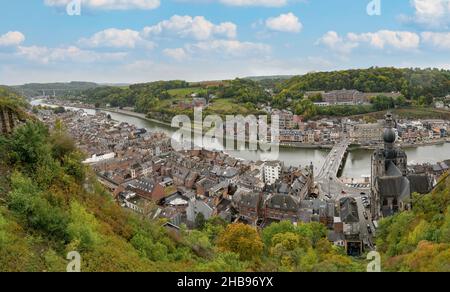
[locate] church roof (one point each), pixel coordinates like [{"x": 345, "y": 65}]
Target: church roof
[
  {"x": 392, "y": 170},
  {"x": 420, "y": 183},
  {"x": 398, "y": 187}
]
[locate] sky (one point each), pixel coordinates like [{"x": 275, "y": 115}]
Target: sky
[{"x": 131, "y": 41}]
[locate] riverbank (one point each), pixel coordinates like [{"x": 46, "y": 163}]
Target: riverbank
[
  {"x": 285, "y": 145},
  {"x": 136, "y": 115}
]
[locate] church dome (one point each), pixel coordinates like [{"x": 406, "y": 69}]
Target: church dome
[{"x": 389, "y": 136}]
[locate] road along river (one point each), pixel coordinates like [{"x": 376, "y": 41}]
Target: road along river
[{"x": 356, "y": 166}]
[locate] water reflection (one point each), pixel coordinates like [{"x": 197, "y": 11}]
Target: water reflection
[{"x": 357, "y": 164}]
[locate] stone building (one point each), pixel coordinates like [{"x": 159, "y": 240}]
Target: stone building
[{"x": 391, "y": 188}]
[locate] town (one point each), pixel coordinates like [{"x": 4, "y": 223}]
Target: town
[{"x": 146, "y": 175}]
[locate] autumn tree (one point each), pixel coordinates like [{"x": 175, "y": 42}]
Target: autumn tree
[{"x": 241, "y": 239}]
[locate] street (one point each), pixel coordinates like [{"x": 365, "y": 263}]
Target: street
[{"x": 332, "y": 188}]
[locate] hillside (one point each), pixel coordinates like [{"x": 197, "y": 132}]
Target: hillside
[
  {"x": 412, "y": 83},
  {"x": 419, "y": 240},
  {"x": 51, "y": 204},
  {"x": 60, "y": 89}
]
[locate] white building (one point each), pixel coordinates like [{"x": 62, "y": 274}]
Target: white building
[
  {"x": 272, "y": 171},
  {"x": 97, "y": 158}
]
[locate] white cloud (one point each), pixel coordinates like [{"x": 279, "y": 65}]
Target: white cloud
[
  {"x": 401, "y": 40},
  {"x": 11, "y": 38},
  {"x": 285, "y": 22},
  {"x": 436, "y": 39},
  {"x": 197, "y": 27},
  {"x": 116, "y": 38},
  {"x": 266, "y": 3},
  {"x": 231, "y": 48},
  {"x": 178, "y": 54},
  {"x": 110, "y": 4},
  {"x": 45, "y": 55},
  {"x": 431, "y": 13},
  {"x": 334, "y": 42}
]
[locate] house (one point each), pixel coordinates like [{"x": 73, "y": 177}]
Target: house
[
  {"x": 197, "y": 206},
  {"x": 279, "y": 207},
  {"x": 134, "y": 202},
  {"x": 147, "y": 188},
  {"x": 349, "y": 217},
  {"x": 204, "y": 186},
  {"x": 272, "y": 171},
  {"x": 248, "y": 205},
  {"x": 99, "y": 157}
]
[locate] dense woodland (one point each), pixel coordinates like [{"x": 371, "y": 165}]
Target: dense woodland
[{"x": 51, "y": 204}]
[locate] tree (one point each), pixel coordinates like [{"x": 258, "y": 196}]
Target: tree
[
  {"x": 200, "y": 221},
  {"x": 82, "y": 228},
  {"x": 28, "y": 144},
  {"x": 226, "y": 262},
  {"x": 381, "y": 103},
  {"x": 306, "y": 108},
  {"x": 276, "y": 228},
  {"x": 241, "y": 239}
]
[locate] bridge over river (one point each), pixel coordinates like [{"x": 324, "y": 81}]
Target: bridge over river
[
  {"x": 327, "y": 179},
  {"x": 332, "y": 188}
]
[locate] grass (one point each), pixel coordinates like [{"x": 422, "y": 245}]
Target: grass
[
  {"x": 224, "y": 106},
  {"x": 183, "y": 92}
]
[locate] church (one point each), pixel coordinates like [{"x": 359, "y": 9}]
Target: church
[{"x": 392, "y": 185}]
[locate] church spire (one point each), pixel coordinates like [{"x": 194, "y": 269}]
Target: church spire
[{"x": 389, "y": 136}]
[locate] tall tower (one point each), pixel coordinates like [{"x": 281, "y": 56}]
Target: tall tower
[{"x": 390, "y": 186}]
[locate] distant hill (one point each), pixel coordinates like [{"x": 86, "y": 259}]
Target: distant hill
[
  {"x": 411, "y": 82},
  {"x": 274, "y": 77},
  {"x": 60, "y": 89}
]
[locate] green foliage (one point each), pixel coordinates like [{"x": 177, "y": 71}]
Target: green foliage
[
  {"x": 241, "y": 239},
  {"x": 28, "y": 144},
  {"x": 412, "y": 83},
  {"x": 381, "y": 103},
  {"x": 147, "y": 248},
  {"x": 82, "y": 229},
  {"x": 244, "y": 90},
  {"x": 61, "y": 89},
  {"x": 304, "y": 248},
  {"x": 200, "y": 221},
  {"x": 27, "y": 201},
  {"x": 225, "y": 262},
  {"x": 418, "y": 240},
  {"x": 140, "y": 96}
]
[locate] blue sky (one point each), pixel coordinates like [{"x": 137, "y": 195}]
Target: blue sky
[{"x": 146, "y": 40}]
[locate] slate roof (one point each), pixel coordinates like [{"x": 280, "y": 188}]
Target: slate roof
[
  {"x": 250, "y": 200},
  {"x": 398, "y": 187},
  {"x": 420, "y": 183},
  {"x": 349, "y": 210},
  {"x": 283, "y": 202},
  {"x": 392, "y": 170}
]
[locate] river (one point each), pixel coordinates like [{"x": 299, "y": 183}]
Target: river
[{"x": 357, "y": 164}]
